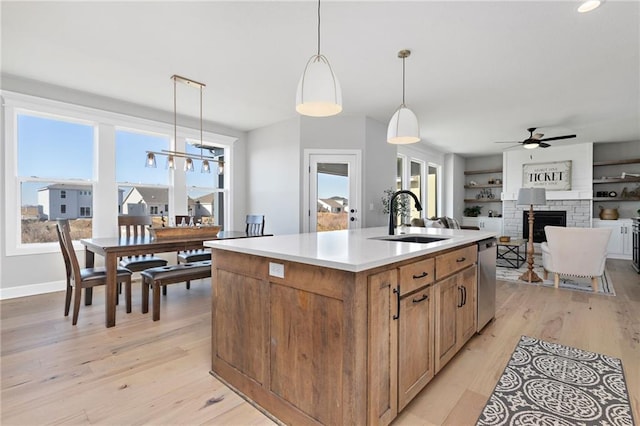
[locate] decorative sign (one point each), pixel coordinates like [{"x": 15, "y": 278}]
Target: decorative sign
[{"x": 554, "y": 176}]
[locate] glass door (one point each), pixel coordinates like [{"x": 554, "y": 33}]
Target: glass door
[{"x": 333, "y": 194}]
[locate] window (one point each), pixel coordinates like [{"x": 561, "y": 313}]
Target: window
[
  {"x": 417, "y": 171},
  {"x": 53, "y": 154},
  {"x": 205, "y": 194},
  {"x": 85, "y": 211}
]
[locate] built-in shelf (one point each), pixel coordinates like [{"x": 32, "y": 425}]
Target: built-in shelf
[
  {"x": 489, "y": 185},
  {"x": 482, "y": 172},
  {"x": 616, "y": 199},
  {"x": 615, "y": 162},
  {"x": 617, "y": 180},
  {"x": 482, "y": 200}
]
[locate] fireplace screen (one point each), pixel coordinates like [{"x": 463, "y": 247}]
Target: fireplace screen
[{"x": 542, "y": 218}]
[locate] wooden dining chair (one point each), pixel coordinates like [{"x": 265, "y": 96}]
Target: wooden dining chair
[
  {"x": 255, "y": 224},
  {"x": 137, "y": 227},
  {"x": 82, "y": 278}
]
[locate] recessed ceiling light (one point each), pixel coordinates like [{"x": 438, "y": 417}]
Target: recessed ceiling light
[{"x": 589, "y": 5}]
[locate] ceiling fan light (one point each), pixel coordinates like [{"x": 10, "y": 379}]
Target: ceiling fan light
[
  {"x": 403, "y": 127},
  {"x": 589, "y": 5},
  {"x": 319, "y": 93},
  {"x": 531, "y": 145}
]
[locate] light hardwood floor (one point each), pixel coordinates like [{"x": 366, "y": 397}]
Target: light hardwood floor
[{"x": 145, "y": 372}]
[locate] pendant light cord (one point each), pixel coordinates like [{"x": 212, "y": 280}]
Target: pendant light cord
[
  {"x": 201, "y": 122},
  {"x": 175, "y": 116},
  {"x": 318, "y": 27},
  {"x": 403, "y": 104}
]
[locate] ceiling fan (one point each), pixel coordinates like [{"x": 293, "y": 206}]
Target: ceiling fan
[{"x": 535, "y": 139}]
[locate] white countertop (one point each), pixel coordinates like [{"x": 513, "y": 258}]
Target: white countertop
[{"x": 349, "y": 250}]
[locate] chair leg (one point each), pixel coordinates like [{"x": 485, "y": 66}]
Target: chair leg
[
  {"x": 88, "y": 296},
  {"x": 164, "y": 290},
  {"x": 145, "y": 296},
  {"x": 76, "y": 304},
  {"x": 188, "y": 285},
  {"x": 156, "y": 301},
  {"x": 556, "y": 280},
  {"x": 67, "y": 299},
  {"x": 127, "y": 290},
  {"x": 594, "y": 284}
]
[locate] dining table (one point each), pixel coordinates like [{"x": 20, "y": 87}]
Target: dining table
[{"x": 112, "y": 249}]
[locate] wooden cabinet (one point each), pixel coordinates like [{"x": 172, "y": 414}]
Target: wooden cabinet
[
  {"x": 415, "y": 344},
  {"x": 612, "y": 190},
  {"x": 621, "y": 240},
  {"x": 455, "y": 303},
  {"x": 485, "y": 223}
]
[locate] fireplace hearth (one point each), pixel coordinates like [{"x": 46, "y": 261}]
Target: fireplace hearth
[{"x": 542, "y": 218}]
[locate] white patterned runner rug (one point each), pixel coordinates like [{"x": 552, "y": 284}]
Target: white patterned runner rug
[{"x": 547, "y": 383}]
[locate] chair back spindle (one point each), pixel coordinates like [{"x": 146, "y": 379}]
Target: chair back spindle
[{"x": 255, "y": 224}]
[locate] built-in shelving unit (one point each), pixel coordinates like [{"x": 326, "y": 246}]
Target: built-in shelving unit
[
  {"x": 615, "y": 180},
  {"x": 485, "y": 175}
]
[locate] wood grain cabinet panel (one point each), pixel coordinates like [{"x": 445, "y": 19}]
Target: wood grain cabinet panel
[
  {"x": 416, "y": 275},
  {"x": 415, "y": 344},
  {"x": 307, "y": 351},
  {"x": 456, "y": 260},
  {"x": 382, "y": 365}
]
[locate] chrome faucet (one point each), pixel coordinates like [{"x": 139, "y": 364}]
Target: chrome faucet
[{"x": 392, "y": 213}]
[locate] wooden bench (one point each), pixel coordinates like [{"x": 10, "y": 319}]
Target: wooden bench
[{"x": 164, "y": 275}]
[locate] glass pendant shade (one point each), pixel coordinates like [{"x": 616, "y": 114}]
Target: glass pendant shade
[
  {"x": 171, "y": 162},
  {"x": 206, "y": 168},
  {"x": 188, "y": 165},
  {"x": 151, "y": 160},
  {"x": 403, "y": 127},
  {"x": 319, "y": 93}
]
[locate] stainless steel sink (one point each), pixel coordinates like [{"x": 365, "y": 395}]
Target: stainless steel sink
[{"x": 421, "y": 239}]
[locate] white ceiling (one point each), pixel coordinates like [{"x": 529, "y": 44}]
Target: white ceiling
[{"x": 480, "y": 71}]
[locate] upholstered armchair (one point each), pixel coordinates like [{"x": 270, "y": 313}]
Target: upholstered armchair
[{"x": 580, "y": 252}]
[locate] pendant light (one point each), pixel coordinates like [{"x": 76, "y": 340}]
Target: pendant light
[
  {"x": 319, "y": 93},
  {"x": 171, "y": 155},
  {"x": 403, "y": 127}
]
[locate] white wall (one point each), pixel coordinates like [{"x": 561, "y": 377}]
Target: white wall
[
  {"x": 581, "y": 156},
  {"x": 273, "y": 176},
  {"x": 379, "y": 171},
  {"x": 453, "y": 201}
]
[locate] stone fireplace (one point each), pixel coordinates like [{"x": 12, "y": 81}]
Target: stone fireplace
[{"x": 578, "y": 214}]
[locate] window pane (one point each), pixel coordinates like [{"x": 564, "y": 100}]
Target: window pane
[
  {"x": 53, "y": 148},
  {"x": 206, "y": 206},
  {"x": 399, "y": 174},
  {"x": 131, "y": 153},
  {"x": 41, "y": 204},
  {"x": 416, "y": 186},
  {"x": 144, "y": 201},
  {"x": 198, "y": 178},
  {"x": 432, "y": 192}
]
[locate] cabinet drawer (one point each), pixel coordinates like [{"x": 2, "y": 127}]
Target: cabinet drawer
[
  {"x": 416, "y": 275},
  {"x": 447, "y": 264}
]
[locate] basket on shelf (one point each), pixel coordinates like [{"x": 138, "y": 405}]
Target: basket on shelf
[{"x": 176, "y": 232}]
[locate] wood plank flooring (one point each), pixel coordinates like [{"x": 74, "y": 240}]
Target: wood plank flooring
[{"x": 145, "y": 372}]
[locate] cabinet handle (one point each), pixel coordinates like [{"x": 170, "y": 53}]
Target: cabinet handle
[
  {"x": 461, "y": 259},
  {"x": 396, "y": 291},
  {"x": 464, "y": 295},
  {"x": 422, "y": 275},
  {"x": 460, "y": 302},
  {"x": 424, "y": 297}
]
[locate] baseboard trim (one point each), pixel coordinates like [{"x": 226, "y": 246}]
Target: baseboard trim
[{"x": 32, "y": 289}]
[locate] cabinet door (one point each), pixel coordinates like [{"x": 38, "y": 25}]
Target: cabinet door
[
  {"x": 467, "y": 308},
  {"x": 415, "y": 344},
  {"x": 383, "y": 347},
  {"x": 448, "y": 297}
]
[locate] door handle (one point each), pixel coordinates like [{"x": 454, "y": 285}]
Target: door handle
[{"x": 352, "y": 219}]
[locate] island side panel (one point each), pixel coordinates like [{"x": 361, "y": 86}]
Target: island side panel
[{"x": 315, "y": 369}]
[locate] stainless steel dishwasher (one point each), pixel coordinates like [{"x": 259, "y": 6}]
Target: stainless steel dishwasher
[{"x": 486, "y": 281}]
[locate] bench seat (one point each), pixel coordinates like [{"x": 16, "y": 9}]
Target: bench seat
[{"x": 165, "y": 275}]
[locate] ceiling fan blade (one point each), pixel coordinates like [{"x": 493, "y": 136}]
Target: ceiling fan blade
[
  {"x": 508, "y": 142},
  {"x": 557, "y": 138},
  {"x": 537, "y": 136},
  {"x": 544, "y": 145}
]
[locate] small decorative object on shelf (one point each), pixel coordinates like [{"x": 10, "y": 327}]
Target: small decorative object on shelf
[
  {"x": 504, "y": 239},
  {"x": 609, "y": 214},
  {"x": 472, "y": 183}
]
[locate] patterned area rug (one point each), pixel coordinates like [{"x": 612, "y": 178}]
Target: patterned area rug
[
  {"x": 605, "y": 286},
  {"x": 550, "y": 384}
]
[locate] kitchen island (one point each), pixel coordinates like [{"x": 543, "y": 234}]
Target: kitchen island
[{"x": 340, "y": 327}]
